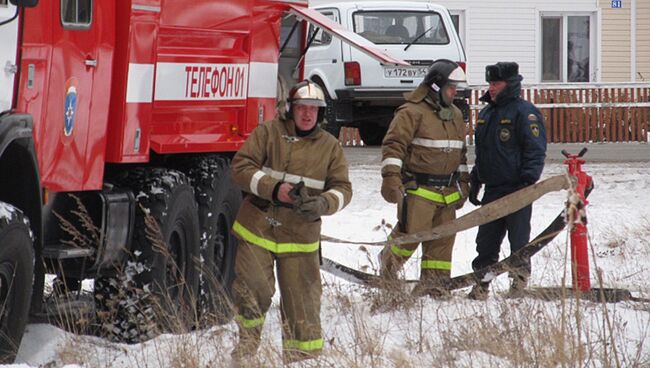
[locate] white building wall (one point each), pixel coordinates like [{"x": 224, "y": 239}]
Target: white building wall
[{"x": 498, "y": 30}]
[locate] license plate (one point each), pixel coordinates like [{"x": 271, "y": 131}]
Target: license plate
[{"x": 416, "y": 72}]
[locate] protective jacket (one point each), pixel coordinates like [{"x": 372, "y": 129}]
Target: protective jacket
[
  {"x": 419, "y": 144},
  {"x": 510, "y": 142},
  {"x": 274, "y": 154}
]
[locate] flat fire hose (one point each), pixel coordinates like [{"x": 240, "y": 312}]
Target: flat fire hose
[{"x": 490, "y": 212}]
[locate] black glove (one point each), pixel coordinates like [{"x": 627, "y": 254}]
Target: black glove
[
  {"x": 312, "y": 208},
  {"x": 474, "y": 188}
]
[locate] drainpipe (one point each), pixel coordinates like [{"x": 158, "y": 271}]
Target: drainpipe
[{"x": 632, "y": 41}]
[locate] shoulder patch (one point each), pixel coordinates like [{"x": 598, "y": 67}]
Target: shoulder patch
[
  {"x": 481, "y": 121},
  {"x": 534, "y": 128},
  {"x": 532, "y": 118}
]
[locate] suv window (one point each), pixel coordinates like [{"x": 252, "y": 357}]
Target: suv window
[
  {"x": 322, "y": 38},
  {"x": 400, "y": 27}
]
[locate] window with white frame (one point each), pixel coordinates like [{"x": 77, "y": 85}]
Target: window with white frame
[
  {"x": 458, "y": 18},
  {"x": 567, "y": 48}
]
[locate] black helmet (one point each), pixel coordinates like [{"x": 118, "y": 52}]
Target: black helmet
[
  {"x": 441, "y": 74},
  {"x": 307, "y": 93}
]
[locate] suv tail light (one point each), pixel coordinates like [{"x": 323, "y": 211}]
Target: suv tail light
[
  {"x": 462, "y": 65},
  {"x": 352, "y": 73}
]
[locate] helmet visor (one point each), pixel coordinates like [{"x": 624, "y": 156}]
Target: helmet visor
[
  {"x": 458, "y": 78},
  {"x": 310, "y": 102}
]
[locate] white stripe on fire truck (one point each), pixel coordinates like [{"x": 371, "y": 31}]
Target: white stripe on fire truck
[
  {"x": 255, "y": 181},
  {"x": 139, "y": 86},
  {"x": 294, "y": 179},
  {"x": 262, "y": 80},
  {"x": 201, "y": 81},
  {"x": 438, "y": 143},
  {"x": 339, "y": 197}
]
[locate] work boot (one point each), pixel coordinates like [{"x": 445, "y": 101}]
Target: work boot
[
  {"x": 517, "y": 287},
  {"x": 479, "y": 291},
  {"x": 433, "y": 283},
  {"x": 295, "y": 358},
  {"x": 435, "y": 292}
]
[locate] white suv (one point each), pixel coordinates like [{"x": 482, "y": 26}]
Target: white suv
[{"x": 361, "y": 92}]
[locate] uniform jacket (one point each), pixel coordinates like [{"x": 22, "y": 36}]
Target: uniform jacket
[
  {"x": 419, "y": 141},
  {"x": 510, "y": 142},
  {"x": 274, "y": 154}
]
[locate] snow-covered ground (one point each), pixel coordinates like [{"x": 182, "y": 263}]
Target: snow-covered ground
[{"x": 427, "y": 332}]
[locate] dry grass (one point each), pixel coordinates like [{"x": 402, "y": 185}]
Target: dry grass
[{"x": 409, "y": 332}]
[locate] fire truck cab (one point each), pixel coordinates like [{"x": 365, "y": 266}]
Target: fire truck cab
[{"x": 118, "y": 120}]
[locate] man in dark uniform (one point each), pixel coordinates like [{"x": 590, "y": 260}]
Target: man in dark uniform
[{"x": 510, "y": 144}]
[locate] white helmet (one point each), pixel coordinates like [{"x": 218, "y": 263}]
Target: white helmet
[{"x": 307, "y": 93}]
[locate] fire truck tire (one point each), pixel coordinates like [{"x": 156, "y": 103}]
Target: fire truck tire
[
  {"x": 16, "y": 279},
  {"x": 156, "y": 291},
  {"x": 219, "y": 199},
  {"x": 372, "y": 134}
]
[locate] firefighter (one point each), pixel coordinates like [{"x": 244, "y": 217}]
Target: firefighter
[
  {"x": 510, "y": 151},
  {"x": 293, "y": 173},
  {"x": 424, "y": 171}
]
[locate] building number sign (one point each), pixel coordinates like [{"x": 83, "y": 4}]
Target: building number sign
[{"x": 616, "y": 4}]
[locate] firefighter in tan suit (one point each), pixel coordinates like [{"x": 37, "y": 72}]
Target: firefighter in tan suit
[
  {"x": 424, "y": 171},
  {"x": 293, "y": 173}
]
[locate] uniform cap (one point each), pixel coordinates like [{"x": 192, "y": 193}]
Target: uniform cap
[{"x": 501, "y": 71}]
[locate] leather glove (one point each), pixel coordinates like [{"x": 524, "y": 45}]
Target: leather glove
[
  {"x": 312, "y": 208},
  {"x": 392, "y": 189},
  {"x": 474, "y": 188},
  {"x": 298, "y": 193},
  {"x": 464, "y": 192}
]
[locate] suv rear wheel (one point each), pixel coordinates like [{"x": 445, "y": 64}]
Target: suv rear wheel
[{"x": 372, "y": 134}]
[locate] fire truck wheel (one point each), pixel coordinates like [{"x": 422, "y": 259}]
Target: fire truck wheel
[
  {"x": 219, "y": 199},
  {"x": 16, "y": 277},
  {"x": 161, "y": 276}
]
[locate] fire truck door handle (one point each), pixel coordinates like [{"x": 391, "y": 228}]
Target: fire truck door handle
[{"x": 91, "y": 63}]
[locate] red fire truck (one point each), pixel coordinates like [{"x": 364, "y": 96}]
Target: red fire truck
[{"x": 117, "y": 123}]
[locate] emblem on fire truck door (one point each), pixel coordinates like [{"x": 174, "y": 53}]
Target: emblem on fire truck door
[{"x": 70, "y": 107}]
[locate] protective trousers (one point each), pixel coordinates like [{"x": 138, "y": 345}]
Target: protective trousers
[
  {"x": 490, "y": 236},
  {"x": 421, "y": 214},
  {"x": 300, "y": 293}
]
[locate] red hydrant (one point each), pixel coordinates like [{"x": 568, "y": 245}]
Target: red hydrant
[{"x": 578, "y": 216}]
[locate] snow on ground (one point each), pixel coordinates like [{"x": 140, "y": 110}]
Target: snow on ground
[{"x": 453, "y": 333}]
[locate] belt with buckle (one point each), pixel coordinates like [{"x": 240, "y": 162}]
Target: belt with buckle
[{"x": 437, "y": 180}]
